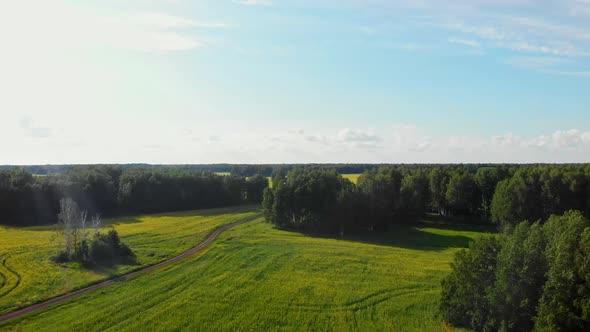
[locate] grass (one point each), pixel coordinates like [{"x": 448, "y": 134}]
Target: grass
[
  {"x": 258, "y": 278},
  {"x": 27, "y": 274},
  {"x": 352, "y": 177}
]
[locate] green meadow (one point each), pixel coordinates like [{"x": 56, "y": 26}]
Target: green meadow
[
  {"x": 27, "y": 274},
  {"x": 352, "y": 177},
  {"x": 255, "y": 277}
]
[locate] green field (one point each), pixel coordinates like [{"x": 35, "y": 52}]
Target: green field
[
  {"x": 352, "y": 177},
  {"x": 27, "y": 275},
  {"x": 255, "y": 277}
]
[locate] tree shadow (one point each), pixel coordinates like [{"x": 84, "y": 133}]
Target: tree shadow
[
  {"x": 137, "y": 218},
  {"x": 110, "y": 268},
  {"x": 418, "y": 236}
]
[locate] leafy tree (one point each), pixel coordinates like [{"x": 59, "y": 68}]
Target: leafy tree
[
  {"x": 520, "y": 276},
  {"x": 504, "y": 207},
  {"x": 305, "y": 199},
  {"x": 462, "y": 194},
  {"x": 255, "y": 186},
  {"x": 536, "y": 277},
  {"x": 487, "y": 179},
  {"x": 465, "y": 290},
  {"x": 382, "y": 190},
  {"x": 439, "y": 179},
  {"x": 566, "y": 295},
  {"x": 415, "y": 193}
]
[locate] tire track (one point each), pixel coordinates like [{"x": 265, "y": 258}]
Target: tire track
[
  {"x": 66, "y": 297},
  {"x": 6, "y": 284}
]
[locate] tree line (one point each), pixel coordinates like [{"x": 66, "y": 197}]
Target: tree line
[
  {"x": 240, "y": 169},
  {"x": 319, "y": 199},
  {"x": 26, "y": 199}
]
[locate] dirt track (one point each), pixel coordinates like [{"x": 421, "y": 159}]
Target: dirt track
[{"x": 63, "y": 298}]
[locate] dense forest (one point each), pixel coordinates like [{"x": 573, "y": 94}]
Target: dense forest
[
  {"x": 311, "y": 197},
  {"x": 26, "y": 199},
  {"x": 319, "y": 199}
]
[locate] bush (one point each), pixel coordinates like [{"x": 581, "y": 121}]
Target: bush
[
  {"x": 107, "y": 248},
  {"x": 61, "y": 257},
  {"x": 104, "y": 249}
]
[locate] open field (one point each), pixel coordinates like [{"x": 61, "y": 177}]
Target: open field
[
  {"x": 258, "y": 278},
  {"x": 27, "y": 275},
  {"x": 352, "y": 177}
]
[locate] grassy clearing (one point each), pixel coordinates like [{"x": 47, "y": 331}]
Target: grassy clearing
[
  {"x": 352, "y": 177},
  {"x": 256, "y": 278},
  {"x": 27, "y": 275}
]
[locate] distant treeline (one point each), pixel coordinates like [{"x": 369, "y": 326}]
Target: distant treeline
[
  {"x": 319, "y": 199},
  {"x": 26, "y": 199},
  {"x": 245, "y": 169}
]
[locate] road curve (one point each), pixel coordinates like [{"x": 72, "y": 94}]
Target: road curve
[{"x": 63, "y": 298}]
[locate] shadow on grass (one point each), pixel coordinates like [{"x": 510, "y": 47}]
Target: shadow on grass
[
  {"x": 411, "y": 237},
  {"x": 110, "y": 268},
  {"x": 138, "y": 218},
  {"x": 186, "y": 213},
  {"x": 426, "y": 234}
]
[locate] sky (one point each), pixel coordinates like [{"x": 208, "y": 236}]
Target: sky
[{"x": 270, "y": 81}]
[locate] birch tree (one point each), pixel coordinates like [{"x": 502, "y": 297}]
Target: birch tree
[{"x": 68, "y": 214}]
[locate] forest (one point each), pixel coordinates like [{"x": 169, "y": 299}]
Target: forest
[
  {"x": 318, "y": 199},
  {"x": 27, "y": 199}
]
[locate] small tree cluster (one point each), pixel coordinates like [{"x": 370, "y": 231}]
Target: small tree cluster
[
  {"x": 533, "y": 277},
  {"x": 83, "y": 242}
]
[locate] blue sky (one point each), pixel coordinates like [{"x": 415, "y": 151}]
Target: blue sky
[{"x": 260, "y": 81}]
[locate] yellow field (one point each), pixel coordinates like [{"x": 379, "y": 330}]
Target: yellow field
[
  {"x": 27, "y": 274},
  {"x": 352, "y": 177}
]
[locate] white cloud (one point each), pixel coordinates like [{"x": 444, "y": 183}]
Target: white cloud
[
  {"x": 395, "y": 144},
  {"x": 165, "y": 21},
  {"x": 579, "y": 8},
  {"x": 352, "y": 135},
  {"x": 60, "y": 25},
  {"x": 254, "y": 2},
  {"x": 530, "y": 62},
  {"x": 32, "y": 130},
  {"x": 569, "y": 73},
  {"x": 150, "y": 32},
  {"x": 464, "y": 42}
]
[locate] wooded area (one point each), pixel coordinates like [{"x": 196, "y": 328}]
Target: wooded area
[
  {"x": 318, "y": 199},
  {"x": 531, "y": 277},
  {"x": 26, "y": 199}
]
